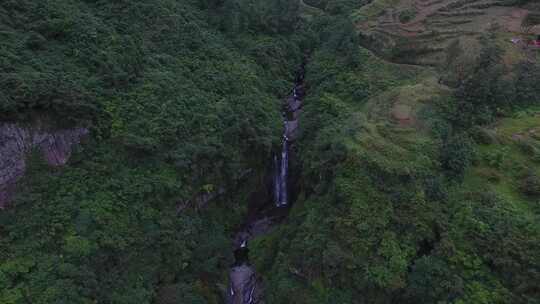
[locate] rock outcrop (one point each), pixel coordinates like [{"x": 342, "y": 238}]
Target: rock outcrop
[
  {"x": 245, "y": 287},
  {"x": 16, "y": 142},
  {"x": 293, "y": 107}
]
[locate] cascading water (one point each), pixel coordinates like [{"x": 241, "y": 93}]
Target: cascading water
[
  {"x": 244, "y": 285},
  {"x": 281, "y": 164},
  {"x": 280, "y": 175},
  {"x": 276, "y": 182}
]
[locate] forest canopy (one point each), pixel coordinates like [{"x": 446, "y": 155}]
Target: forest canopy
[{"x": 415, "y": 184}]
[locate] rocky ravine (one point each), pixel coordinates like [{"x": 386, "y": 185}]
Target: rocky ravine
[
  {"x": 245, "y": 285},
  {"x": 17, "y": 141}
]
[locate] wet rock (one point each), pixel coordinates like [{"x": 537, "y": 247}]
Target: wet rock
[
  {"x": 245, "y": 287},
  {"x": 256, "y": 228},
  {"x": 260, "y": 227},
  {"x": 291, "y": 129},
  {"x": 241, "y": 237},
  {"x": 293, "y": 104},
  {"x": 16, "y": 142}
]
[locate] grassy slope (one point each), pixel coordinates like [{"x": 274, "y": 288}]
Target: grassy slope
[
  {"x": 433, "y": 25},
  {"x": 502, "y": 164}
]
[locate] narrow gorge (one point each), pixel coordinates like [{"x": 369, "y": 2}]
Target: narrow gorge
[{"x": 245, "y": 286}]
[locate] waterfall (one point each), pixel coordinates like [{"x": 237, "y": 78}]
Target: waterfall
[
  {"x": 282, "y": 176},
  {"x": 284, "y": 172},
  {"x": 276, "y": 181},
  {"x": 245, "y": 285},
  {"x": 281, "y": 162},
  {"x": 281, "y": 171}
]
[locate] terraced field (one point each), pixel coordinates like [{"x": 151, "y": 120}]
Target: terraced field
[{"x": 419, "y": 31}]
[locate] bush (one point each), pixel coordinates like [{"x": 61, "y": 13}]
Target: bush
[
  {"x": 527, "y": 86},
  {"x": 530, "y": 184},
  {"x": 496, "y": 158},
  {"x": 485, "y": 93},
  {"x": 483, "y": 136},
  {"x": 457, "y": 155}
]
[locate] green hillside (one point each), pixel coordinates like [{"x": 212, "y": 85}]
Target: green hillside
[{"x": 417, "y": 168}]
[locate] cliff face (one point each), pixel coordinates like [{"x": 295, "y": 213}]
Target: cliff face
[{"x": 17, "y": 141}]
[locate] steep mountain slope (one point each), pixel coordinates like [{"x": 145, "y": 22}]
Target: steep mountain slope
[
  {"x": 413, "y": 183},
  {"x": 178, "y": 103}
]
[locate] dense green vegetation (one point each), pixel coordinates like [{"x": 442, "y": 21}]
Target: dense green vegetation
[
  {"x": 179, "y": 101},
  {"x": 182, "y": 97},
  {"x": 440, "y": 211}
]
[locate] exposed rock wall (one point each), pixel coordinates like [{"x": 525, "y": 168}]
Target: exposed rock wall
[
  {"x": 293, "y": 107},
  {"x": 17, "y": 141},
  {"x": 245, "y": 287}
]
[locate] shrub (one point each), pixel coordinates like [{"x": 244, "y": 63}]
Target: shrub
[
  {"x": 496, "y": 157},
  {"x": 530, "y": 184},
  {"x": 457, "y": 155},
  {"x": 482, "y": 136}
]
